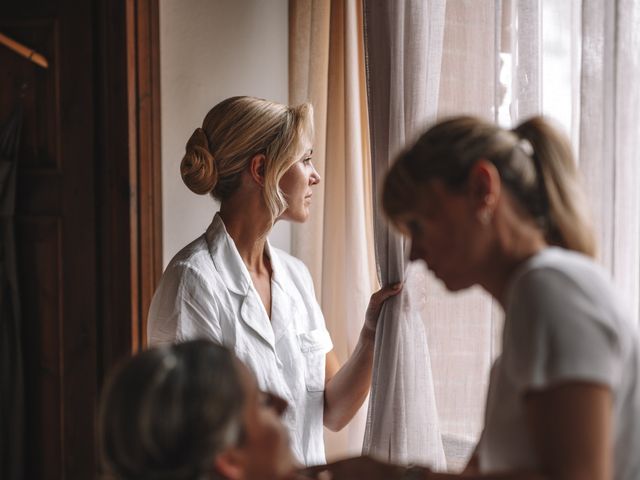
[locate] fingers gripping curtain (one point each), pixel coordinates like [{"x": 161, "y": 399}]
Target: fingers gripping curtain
[{"x": 403, "y": 43}]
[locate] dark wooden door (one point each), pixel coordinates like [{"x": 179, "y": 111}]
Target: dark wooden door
[
  {"x": 86, "y": 226},
  {"x": 56, "y": 234}
]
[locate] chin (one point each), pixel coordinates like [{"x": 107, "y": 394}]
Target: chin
[
  {"x": 299, "y": 216},
  {"x": 453, "y": 288},
  {"x": 456, "y": 285}
]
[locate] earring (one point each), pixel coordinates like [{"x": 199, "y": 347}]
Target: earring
[{"x": 484, "y": 216}]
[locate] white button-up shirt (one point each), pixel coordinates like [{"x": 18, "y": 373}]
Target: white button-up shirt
[{"x": 207, "y": 292}]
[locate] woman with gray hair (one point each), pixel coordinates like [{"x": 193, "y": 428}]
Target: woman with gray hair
[
  {"x": 231, "y": 286},
  {"x": 191, "y": 411}
]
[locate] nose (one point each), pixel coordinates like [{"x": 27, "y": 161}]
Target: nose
[
  {"x": 279, "y": 404},
  {"x": 315, "y": 177}
]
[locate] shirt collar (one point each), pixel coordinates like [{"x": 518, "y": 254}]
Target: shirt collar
[
  {"x": 226, "y": 257},
  {"x": 276, "y": 265},
  {"x": 236, "y": 277}
]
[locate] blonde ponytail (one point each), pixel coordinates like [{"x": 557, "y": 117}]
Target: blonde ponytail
[
  {"x": 534, "y": 162},
  {"x": 568, "y": 220}
]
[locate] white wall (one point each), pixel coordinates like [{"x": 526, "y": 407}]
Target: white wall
[{"x": 211, "y": 50}]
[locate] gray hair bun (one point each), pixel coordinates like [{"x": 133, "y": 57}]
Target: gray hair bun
[{"x": 198, "y": 168}]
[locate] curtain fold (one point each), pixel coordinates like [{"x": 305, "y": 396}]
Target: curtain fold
[
  {"x": 463, "y": 329},
  {"x": 327, "y": 68},
  {"x": 609, "y": 136},
  {"x": 309, "y": 26},
  {"x": 526, "y": 41},
  {"x": 403, "y": 42}
]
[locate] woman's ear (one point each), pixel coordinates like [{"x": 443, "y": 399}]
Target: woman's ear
[
  {"x": 484, "y": 185},
  {"x": 230, "y": 464},
  {"x": 257, "y": 168}
]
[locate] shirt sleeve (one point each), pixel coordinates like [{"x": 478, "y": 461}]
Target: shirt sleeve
[
  {"x": 183, "y": 308},
  {"x": 556, "y": 332}
]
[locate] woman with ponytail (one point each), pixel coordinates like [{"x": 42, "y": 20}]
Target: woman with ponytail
[
  {"x": 503, "y": 209},
  {"x": 232, "y": 287}
]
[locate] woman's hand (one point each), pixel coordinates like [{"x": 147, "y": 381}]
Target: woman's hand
[
  {"x": 346, "y": 389},
  {"x": 375, "y": 305},
  {"x": 356, "y": 468}
]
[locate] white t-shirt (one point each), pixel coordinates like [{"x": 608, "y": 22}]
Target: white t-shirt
[
  {"x": 207, "y": 292},
  {"x": 563, "y": 323}
]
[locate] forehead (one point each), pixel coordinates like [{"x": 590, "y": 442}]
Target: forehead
[
  {"x": 247, "y": 378},
  {"x": 432, "y": 199},
  {"x": 306, "y": 147},
  {"x": 303, "y": 149},
  {"x": 429, "y": 195}
]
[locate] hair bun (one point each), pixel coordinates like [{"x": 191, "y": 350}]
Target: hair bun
[{"x": 198, "y": 168}]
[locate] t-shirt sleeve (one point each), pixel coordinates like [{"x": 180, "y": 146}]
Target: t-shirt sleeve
[
  {"x": 183, "y": 308},
  {"x": 556, "y": 332}
]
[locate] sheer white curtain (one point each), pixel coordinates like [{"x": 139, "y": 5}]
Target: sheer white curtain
[
  {"x": 462, "y": 328},
  {"x": 610, "y": 135},
  {"x": 575, "y": 60},
  {"x": 403, "y": 41},
  {"x": 491, "y": 68},
  {"x": 463, "y": 44}
]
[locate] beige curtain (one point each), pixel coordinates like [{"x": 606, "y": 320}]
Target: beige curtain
[{"x": 326, "y": 67}]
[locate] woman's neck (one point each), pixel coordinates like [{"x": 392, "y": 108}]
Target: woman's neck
[
  {"x": 517, "y": 240},
  {"x": 248, "y": 224}
]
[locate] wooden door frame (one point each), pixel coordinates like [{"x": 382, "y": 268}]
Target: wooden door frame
[
  {"x": 149, "y": 159},
  {"x": 129, "y": 155}
]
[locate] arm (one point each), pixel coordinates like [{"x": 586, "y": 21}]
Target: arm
[
  {"x": 346, "y": 388},
  {"x": 570, "y": 425},
  {"x": 570, "y": 428},
  {"x": 183, "y": 307},
  {"x": 366, "y": 467},
  {"x": 473, "y": 465}
]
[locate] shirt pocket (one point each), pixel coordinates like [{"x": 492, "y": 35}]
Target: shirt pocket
[{"x": 314, "y": 346}]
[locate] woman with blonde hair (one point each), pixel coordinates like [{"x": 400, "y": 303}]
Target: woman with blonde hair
[
  {"x": 503, "y": 209},
  {"x": 231, "y": 286}
]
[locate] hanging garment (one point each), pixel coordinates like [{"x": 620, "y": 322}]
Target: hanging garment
[{"x": 11, "y": 371}]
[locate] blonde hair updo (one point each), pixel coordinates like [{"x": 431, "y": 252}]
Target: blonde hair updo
[
  {"x": 198, "y": 167},
  {"x": 232, "y": 133}
]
